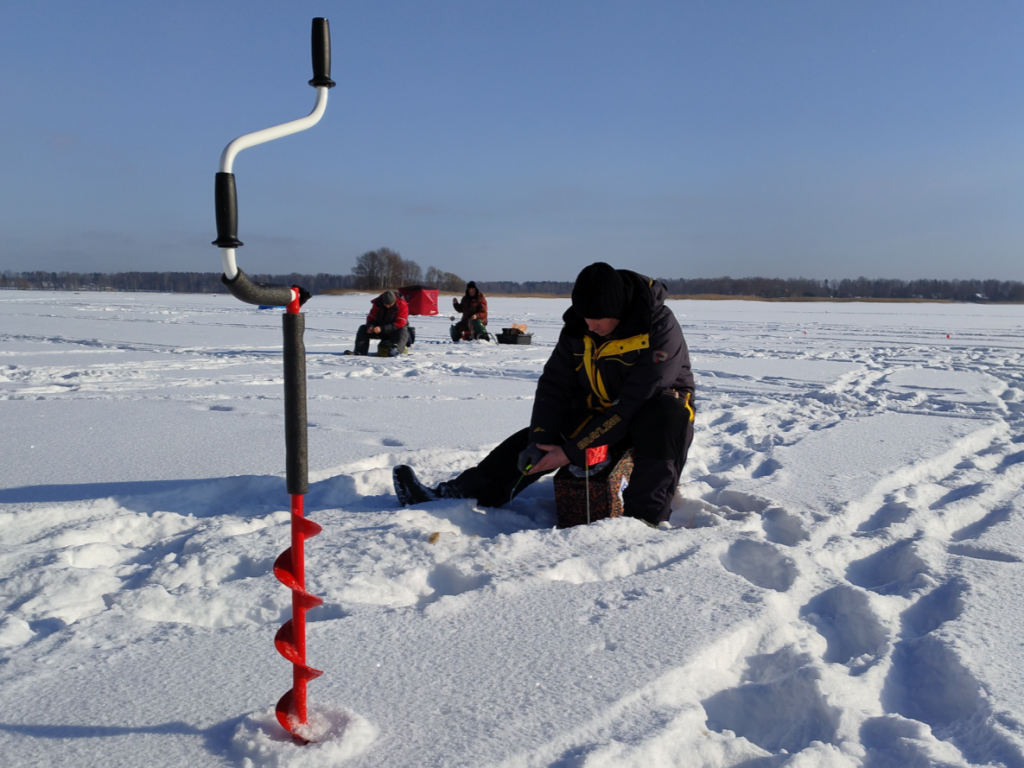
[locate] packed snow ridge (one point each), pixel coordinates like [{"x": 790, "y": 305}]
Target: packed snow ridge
[{"x": 840, "y": 587}]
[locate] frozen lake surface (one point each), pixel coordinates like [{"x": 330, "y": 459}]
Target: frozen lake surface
[{"x": 841, "y": 586}]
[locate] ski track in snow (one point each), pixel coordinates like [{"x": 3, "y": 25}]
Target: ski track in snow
[{"x": 831, "y": 594}]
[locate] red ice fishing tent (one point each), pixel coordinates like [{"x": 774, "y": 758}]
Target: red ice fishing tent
[{"x": 421, "y": 300}]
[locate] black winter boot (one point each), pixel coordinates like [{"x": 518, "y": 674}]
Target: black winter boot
[
  {"x": 408, "y": 488},
  {"x": 411, "y": 491}
]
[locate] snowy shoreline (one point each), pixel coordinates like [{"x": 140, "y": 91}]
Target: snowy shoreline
[{"x": 839, "y": 590}]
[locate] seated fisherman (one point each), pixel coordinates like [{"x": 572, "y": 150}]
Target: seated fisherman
[
  {"x": 473, "y": 307},
  {"x": 388, "y": 321},
  {"x": 619, "y": 376}
]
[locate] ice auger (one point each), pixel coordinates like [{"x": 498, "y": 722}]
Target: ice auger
[{"x": 290, "y": 565}]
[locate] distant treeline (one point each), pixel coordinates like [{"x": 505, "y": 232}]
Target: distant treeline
[
  {"x": 860, "y": 288},
  {"x": 164, "y": 282},
  {"x": 801, "y": 288},
  {"x": 758, "y": 287}
]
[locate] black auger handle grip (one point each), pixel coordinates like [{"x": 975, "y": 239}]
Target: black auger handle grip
[
  {"x": 226, "y": 204},
  {"x": 321, "y": 38},
  {"x": 244, "y": 289}
]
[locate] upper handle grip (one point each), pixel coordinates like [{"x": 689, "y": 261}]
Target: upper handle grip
[
  {"x": 226, "y": 202},
  {"x": 321, "y": 39}
]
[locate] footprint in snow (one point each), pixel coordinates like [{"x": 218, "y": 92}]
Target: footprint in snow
[
  {"x": 852, "y": 631},
  {"x": 1012, "y": 459},
  {"x": 895, "y": 570},
  {"x": 964, "y": 492},
  {"x": 981, "y": 553},
  {"x": 778, "y": 706},
  {"x": 725, "y": 418},
  {"x": 450, "y": 579},
  {"x": 892, "y": 741},
  {"x": 890, "y": 513},
  {"x": 761, "y": 564},
  {"x": 783, "y": 528},
  {"x": 942, "y": 604},
  {"x": 928, "y": 682},
  {"x": 975, "y": 529},
  {"x": 738, "y": 501},
  {"x": 767, "y": 468}
]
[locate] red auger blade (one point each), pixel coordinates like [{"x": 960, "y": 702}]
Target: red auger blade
[
  {"x": 308, "y": 527},
  {"x": 284, "y": 641},
  {"x": 290, "y": 639}
]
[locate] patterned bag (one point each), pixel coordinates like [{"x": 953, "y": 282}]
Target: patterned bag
[{"x": 606, "y": 487}]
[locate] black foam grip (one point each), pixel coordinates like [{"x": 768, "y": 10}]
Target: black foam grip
[
  {"x": 321, "y": 39},
  {"x": 226, "y": 203},
  {"x": 296, "y": 448},
  {"x": 244, "y": 289}
]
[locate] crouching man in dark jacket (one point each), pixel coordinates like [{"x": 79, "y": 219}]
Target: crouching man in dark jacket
[
  {"x": 473, "y": 307},
  {"x": 388, "y": 321},
  {"x": 619, "y": 376}
]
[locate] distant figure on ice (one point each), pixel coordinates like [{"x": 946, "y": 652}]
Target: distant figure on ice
[
  {"x": 388, "y": 321},
  {"x": 473, "y": 307},
  {"x": 619, "y": 376}
]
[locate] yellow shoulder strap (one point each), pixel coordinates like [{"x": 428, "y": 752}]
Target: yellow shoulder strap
[{"x": 589, "y": 360}]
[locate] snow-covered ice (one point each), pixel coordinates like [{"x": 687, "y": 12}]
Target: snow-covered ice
[{"x": 841, "y": 586}]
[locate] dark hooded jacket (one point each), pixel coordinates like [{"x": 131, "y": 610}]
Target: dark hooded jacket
[
  {"x": 472, "y": 305},
  {"x": 592, "y": 387}
]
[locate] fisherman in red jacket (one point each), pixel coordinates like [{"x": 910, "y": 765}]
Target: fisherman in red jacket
[
  {"x": 618, "y": 376},
  {"x": 473, "y": 307},
  {"x": 388, "y": 321}
]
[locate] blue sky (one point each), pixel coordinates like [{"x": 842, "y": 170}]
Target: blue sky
[{"x": 521, "y": 140}]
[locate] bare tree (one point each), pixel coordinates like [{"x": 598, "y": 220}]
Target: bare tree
[
  {"x": 385, "y": 268},
  {"x": 408, "y": 273},
  {"x": 368, "y": 270},
  {"x": 445, "y": 281}
]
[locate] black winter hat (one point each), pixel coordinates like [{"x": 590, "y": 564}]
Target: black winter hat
[
  {"x": 599, "y": 292},
  {"x": 471, "y": 284},
  {"x": 388, "y": 298}
]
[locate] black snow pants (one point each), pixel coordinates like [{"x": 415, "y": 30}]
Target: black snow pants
[
  {"x": 660, "y": 436},
  {"x": 399, "y": 337}
]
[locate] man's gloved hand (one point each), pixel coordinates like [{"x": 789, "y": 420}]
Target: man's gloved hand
[{"x": 529, "y": 457}]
